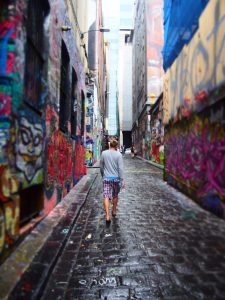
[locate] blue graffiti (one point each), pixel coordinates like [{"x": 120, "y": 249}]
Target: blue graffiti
[
  {"x": 3, "y": 52},
  {"x": 212, "y": 202}
]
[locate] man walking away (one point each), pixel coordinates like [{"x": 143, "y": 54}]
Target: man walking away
[{"x": 111, "y": 167}]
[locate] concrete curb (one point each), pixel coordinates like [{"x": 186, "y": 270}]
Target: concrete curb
[
  {"x": 151, "y": 163},
  {"x": 41, "y": 248}
]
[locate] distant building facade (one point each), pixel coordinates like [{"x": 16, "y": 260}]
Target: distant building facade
[
  {"x": 147, "y": 70},
  {"x": 125, "y": 71}
]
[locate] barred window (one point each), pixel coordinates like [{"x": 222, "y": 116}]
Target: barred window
[
  {"x": 64, "y": 108},
  {"x": 34, "y": 77}
]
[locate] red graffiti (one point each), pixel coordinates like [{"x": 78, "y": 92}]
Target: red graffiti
[
  {"x": 186, "y": 109},
  {"x": 79, "y": 164},
  {"x": 59, "y": 159},
  {"x": 155, "y": 152},
  {"x": 201, "y": 95},
  {"x": 5, "y": 27}
]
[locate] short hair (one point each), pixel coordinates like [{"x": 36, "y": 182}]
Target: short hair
[{"x": 113, "y": 143}]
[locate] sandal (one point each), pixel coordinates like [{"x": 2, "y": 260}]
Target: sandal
[
  {"x": 114, "y": 215},
  {"x": 108, "y": 222}
]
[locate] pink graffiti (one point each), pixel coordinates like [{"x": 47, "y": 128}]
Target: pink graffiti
[
  {"x": 10, "y": 62},
  {"x": 197, "y": 158},
  {"x": 5, "y": 108},
  {"x": 5, "y": 27}
]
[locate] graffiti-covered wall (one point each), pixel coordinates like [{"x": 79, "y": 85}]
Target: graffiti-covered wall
[
  {"x": 93, "y": 128},
  {"x": 64, "y": 151},
  {"x": 194, "y": 113},
  {"x": 41, "y": 137},
  {"x": 11, "y": 78}
]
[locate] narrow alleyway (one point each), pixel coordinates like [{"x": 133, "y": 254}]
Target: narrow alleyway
[{"x": 161, "y": 245}]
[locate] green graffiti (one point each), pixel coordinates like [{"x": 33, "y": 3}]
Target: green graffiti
[{"x": 17, "y": 91}]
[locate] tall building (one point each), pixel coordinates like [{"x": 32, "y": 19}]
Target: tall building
[
  {"x": 125, "y": 71},
  {"x": 119, "y": 18},
  {"x": 147, "y": 69},
  {"x": 95, "y": 83},
  {"x": 112, "y": 21}
]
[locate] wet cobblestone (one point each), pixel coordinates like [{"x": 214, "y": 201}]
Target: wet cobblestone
[{"x": 161, "y": 245}]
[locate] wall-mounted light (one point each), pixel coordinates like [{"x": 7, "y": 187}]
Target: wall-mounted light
[
  {"x": 65, "y": 28},
  {"x": 101, "y": 30}
]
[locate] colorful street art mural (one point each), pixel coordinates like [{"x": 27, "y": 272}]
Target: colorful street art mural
[
  {"x": 194, "y": 114},
  {"x": 151, "y": 141},
  {"x": 79, "y": 168},
  {"x": 29, "y": 149},
  {"x": 154, "y": 19},
  {"x": 93, "y": 128},
  {"x": 9, "y": 209},
  {"x": 65, "y": 156},
  {"x": 59, "y": 161},
  {"x": 10, "y": 20},
  {"x": 89, "y": 153},
  {"x": 34, "y": 152},
  {"x": 195, "y": 157},
  {"x": 196, "y": 79}
]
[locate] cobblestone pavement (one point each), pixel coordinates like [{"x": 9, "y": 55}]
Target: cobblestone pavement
[{"x": 161, "y": 245}]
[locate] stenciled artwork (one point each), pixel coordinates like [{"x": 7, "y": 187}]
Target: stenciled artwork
[{"x": 30, "y": 149}]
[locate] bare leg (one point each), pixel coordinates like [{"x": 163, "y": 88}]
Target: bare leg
[
  {"x": 115, "y": 202},
  {"x": 106, "y": 206}
]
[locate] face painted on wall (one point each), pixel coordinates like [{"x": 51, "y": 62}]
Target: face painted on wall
[{"x": 29, "y": 148}]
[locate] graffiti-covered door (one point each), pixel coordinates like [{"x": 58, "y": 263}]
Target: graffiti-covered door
[{"x": 30, "y": 136}]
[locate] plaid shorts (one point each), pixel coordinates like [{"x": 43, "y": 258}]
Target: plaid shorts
[{"x": 111, "y": 188}]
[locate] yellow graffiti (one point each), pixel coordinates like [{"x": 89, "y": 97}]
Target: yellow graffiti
[
  {"x": 2, "y": 231},
  {"x": 12, "y": 219},
  {"x": 9, "y": 183}
]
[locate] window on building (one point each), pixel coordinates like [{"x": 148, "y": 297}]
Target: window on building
[
  {"x": 65, "y": 97},
  {"x": 74, "y": 102},
  {"x": 34, "y": 68},
  {"x": 127, "y": 38},
  {"x": 125, "y": 7}
]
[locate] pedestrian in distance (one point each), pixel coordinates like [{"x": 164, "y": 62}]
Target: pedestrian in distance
[
  {"x": 122, "y": 150},
  {"x": 132, "y": 150},
  {"x": 111, "y": 167}
]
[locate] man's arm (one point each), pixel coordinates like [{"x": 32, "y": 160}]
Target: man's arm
[
  {"x": 102, "y": 165},
  {"x": 120, "y": 168}
]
